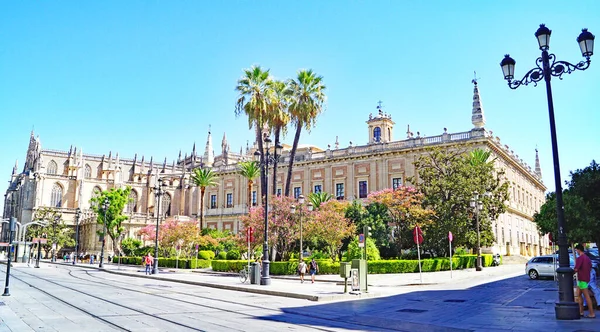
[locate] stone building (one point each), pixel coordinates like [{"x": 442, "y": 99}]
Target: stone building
[{"x": 67, "y": 180}]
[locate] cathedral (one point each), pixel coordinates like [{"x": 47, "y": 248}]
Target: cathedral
[{"x": 68, "y": 179}]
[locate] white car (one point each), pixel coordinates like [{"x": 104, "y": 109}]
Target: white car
[{"x": 544, "y": 266}]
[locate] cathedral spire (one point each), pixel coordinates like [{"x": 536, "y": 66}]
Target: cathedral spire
[
  {"x": 209, "y": 155},
  {"x": 15, "y": 167},
  {"x": 538, "y": 169},
  {"x": 477, "y": 117},
  {"x": 194, "y": 150},
  {"x": 224, "y": 144}
]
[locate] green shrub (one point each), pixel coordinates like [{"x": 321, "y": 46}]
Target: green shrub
[
  {"x": 228, "y": 265},
  {"x": 316, "y": 254},
  {"x": 222, "y": 255},
  {"x": 199, "y": 263},
  {"x": 206, "y": 254},
  {"x": 355, "y": 252},
  {"x": 233, "y": 255}
]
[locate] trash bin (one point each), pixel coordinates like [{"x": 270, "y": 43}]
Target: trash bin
[{"x": 254, "y": 273}]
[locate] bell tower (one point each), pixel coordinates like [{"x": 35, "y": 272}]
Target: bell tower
[{"x": 381, "y": 127}]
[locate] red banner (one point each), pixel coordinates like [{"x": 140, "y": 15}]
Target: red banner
[{"x": 417, "y": 235}]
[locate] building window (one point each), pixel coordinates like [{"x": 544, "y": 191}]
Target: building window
[
  {"x": 213, "y": 201},
  {"x": 56, "y": 196},
  {"x": 297, "y": 192},
  {"x": 278, "y": 192},
  {"x": 396, "y": 183},
  {"x": 377, "y": 134},
  {"x": 229, "y": 200},
  {"x": 132, "y": 204},
  {"x": 318, "y": 188},
  {"x": 166, "y": 205},
  {"x": 52, "y": 167},
  {"x": 339, "y": 191},
  {"x": 254, "y": 198},
  {"x": 88, "y": 171},
  {"x": 362, "y": 189}
]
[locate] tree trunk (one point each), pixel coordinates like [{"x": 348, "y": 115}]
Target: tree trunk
[
  {"x": 263, "y": 181},
  {"x": 249, "y": 194},
  {"x": 202, "y": 208},
  {"x": 277, "y": 134},
  {"x": 288, "y": 180}
]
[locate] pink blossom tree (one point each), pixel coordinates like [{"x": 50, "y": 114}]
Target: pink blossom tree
[{"x": 329, "y": 224}]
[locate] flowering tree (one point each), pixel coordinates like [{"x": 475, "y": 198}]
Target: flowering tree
[
  {"x": 404, "y": 206},
  {"x": 329, "y": 224},
  {"x": 284, "y": 228},
  {"x": 174, "y": 232}
]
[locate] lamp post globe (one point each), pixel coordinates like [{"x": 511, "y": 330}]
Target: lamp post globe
[{"x": 547, "y": 66}]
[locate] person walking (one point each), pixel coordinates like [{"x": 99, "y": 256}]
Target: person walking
[
  {"x": 149, "y": 260},
  {"x": 91, "y": 258},
  {"x": 314, "y": 268},
  {"x": 302, "y": 270},
  {"x": 583, "y": 267}
]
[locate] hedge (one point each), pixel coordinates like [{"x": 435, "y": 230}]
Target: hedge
[
  {"x": 327, "y": 266},
  {"x": 206, "y": 254},
  {"x": 184, "y": 263}
]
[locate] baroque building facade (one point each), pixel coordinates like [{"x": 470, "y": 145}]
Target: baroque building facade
[{"x": 67, "y": 180}]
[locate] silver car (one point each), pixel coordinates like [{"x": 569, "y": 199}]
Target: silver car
[{"x": 544, "y": 266}]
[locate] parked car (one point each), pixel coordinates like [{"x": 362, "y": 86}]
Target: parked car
[
  {"x": 591, "y": 253},
  {"x": 544, "y": 266}
]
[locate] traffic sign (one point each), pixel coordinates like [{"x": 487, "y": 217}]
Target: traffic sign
[
  {"x": 361, "y": 240},
  {"x": 417, "y": 235}
]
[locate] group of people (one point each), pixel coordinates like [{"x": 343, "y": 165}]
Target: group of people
[
  {"x": 586, "y": 280},
  {"x": 312, "y": 267}
]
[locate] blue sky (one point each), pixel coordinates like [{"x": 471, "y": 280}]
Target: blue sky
[{"x": 148, "y": 77}]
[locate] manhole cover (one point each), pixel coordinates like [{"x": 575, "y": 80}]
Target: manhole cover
[
  {"x": 416, "y": 311},
  {"x": 455, "y": 301}
]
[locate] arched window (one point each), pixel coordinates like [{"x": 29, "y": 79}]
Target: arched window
[
  {"x": 132, "y": 204},
  {"x": 377, "y": 134},
  {"x": 56, "y": 195},
  {"x": 88, "y": 171},
  {"x": 165, "y": 205},
  {"x": 52, "y": 167},
  {"x": 95, "y": 193}
]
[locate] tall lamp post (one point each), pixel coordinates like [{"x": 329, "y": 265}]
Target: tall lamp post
[
  {"x": 159, "y": 190},
  {"x": 12, "y": 225},
  {"x": 477, "y": 206},
  {"x": 77, "y": 216},
  {"x": 265, "y": 279},
  {"x": 293, "y": 210},
  {"x": 105, "y": 207},
  {"x": 546, "y": 67}
]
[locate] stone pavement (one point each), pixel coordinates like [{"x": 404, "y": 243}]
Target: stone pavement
[{"x": 499, "y": 298}]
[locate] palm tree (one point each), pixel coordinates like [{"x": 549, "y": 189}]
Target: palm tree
[
  {"x": 203, "y": 177},
  {"x": 278, "y": 118},
  {"x": 319, "y": 198},
  {"x": 308, "y": 97},
  {"x": 250, "y": 170},
  {"x": 253, "y": 100},
  {"x": 479, "y": 157}
]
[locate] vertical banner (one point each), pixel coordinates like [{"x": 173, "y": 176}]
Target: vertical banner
[
  {"x": 418, "y": 238},
  {"x": 450, "y": 242}
]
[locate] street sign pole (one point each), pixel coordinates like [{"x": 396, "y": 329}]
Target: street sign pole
[{"x": 450, "y": 242}]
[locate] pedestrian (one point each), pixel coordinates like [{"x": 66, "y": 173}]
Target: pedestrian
[
  {"x": 583, "y": 267},
  {"x": 314, "y": 268},
  {"x": 91, "y": 258},
  {"x": 149, "y": 260},
  {"x": 109, "y": 259},
  {"x": 301, "y": 270}
]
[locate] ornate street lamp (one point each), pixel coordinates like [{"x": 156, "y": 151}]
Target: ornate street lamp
[
  {"x": 12, "y": 226},
  {"x": 159, "y": 190},
  {"x": 293, "y": 211},
  {"x": 477, "y": 206},
  {"x": 546, "y": 67},
  {"x": 105, "y": 207},
  {"x": 265, "y": 279},
  {"x": 77, "y": 216}
]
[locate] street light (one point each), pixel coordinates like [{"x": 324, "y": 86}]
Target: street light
[
  {"x": 546, "y": 67},
  {"x": 159, "y": 190},
  {"x": 77, "y": 216},
  {"x": 293, "y": 211},
  {"x": 11, "y": 229},
  {"x": 265, "y": 279},
  {"x": 105, "y": 207},
  {"x": 477, "y": 205}
]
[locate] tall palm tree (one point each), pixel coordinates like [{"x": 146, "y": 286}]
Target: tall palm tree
[
  {"x": 253, "y": 100},
  {"x": 203, "y": 177},
  {"x": 250, "y": 170},
  {"x": 308, "y": 97},
  {"x": 278, "y": 118}
]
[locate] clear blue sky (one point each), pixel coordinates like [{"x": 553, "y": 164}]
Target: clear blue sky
[{"x": 148, "y": 77}]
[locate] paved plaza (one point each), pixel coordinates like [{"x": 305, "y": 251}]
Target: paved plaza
[{"x": 62, "y": 297}]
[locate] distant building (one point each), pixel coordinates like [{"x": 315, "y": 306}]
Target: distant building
[{"x": 67, "y": 180}]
